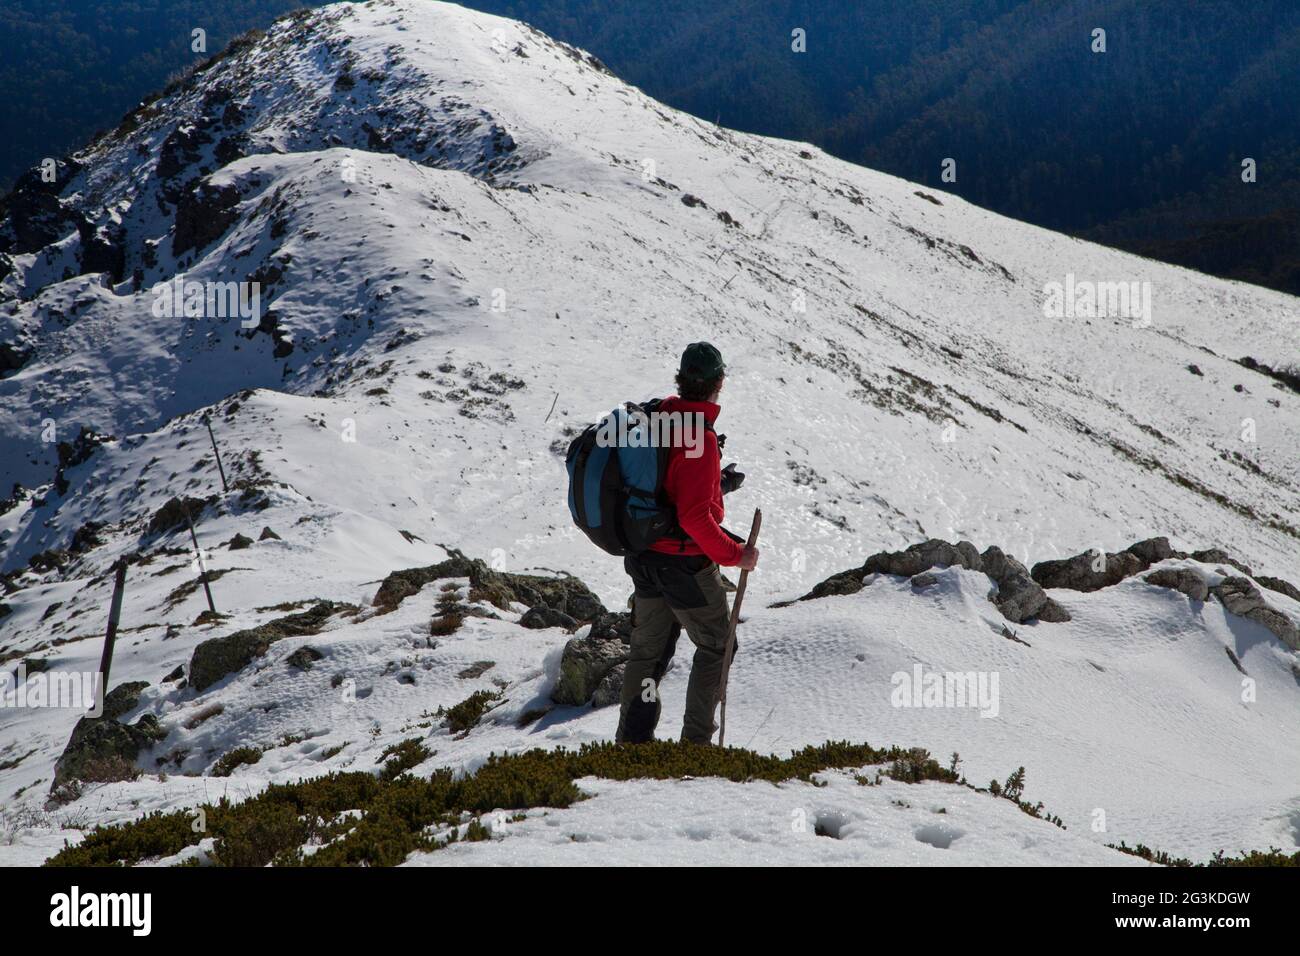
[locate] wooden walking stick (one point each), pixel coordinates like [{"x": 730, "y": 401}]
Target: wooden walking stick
[{"x": 731, "y": 630}]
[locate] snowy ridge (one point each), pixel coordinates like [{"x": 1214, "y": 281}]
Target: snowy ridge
[{"x": 471, "y": 240}]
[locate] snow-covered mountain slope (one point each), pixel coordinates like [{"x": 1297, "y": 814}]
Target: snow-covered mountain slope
[{"x": 470, "y": 241}]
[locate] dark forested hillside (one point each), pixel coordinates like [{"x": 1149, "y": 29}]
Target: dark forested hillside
[
  {"x": 1139, "y": 146},
  {"x": 73, "y": 67}
]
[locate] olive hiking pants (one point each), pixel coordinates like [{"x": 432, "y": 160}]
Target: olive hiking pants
[{"x": 673, "y": 592}]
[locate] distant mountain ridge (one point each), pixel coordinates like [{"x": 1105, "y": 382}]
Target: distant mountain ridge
[{"x": 1138, "y": 147}]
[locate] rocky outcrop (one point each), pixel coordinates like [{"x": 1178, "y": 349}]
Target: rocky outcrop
[
  {"x": 1093, "y": 570},
  {"x": 1278, "y": 585},
  {"x": 1184, "y": 580},
  {"x": 239, "y": 542},
  {"x": 586, "y": 663},
  {"x": 1018, "y": 597},
  {"x": 542, "y": 616},
  {"x": 219, "y": 656},
  {"x": 172, "y": 514},
  {"x": 499, "y": 588},
  {"x": 1238, "y": 595},
  {"x": 103, "y": 749},
  {"x": 203, "y": 214},
  {"x": 610, "y": 689},
  {"x": 1243, "y": 598}
]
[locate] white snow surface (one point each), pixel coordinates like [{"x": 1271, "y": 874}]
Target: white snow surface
[{"x": 512, "y": 258}]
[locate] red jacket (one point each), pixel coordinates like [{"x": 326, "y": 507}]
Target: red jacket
[{"x": 694, "y": 487}]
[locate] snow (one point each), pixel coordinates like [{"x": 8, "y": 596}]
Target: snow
[{"x": 920, "y": 391}]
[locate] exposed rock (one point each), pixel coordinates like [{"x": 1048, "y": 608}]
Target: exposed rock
[
  {"x": 499, "y": 588},
  {"x": 924, "y": 556},
  {"x": 219, "y": 656},
  {"x": 615, "y": 626},
  {"x": 177, "y": 674},
  {"x": 1053, "y": 613},
  {"x": 1241, "y": 597},
  {"x": 172, "y": 514},
  {"x": 239, "y": 542},
  {"x": 86, "y": 537},
  {"x": 1278, "y": 585},
  {"x": 1185, "y": 580},
  {"x": 103, "y": 749},
  {"x": 610, "y": 689},
  {"x": 1219, "y": 556},
  {"x": 203, "y": 214},
  {"x": 585, "y": 663},
  {"x": 1151, "y": 551},
  {"x": 1089, "y": 571},
  {"x": 75, "y": 452},
  {"x": 1019, "y": 596},
  {"x": 542, "y": 616},
  {"x": 924, "y": 580},
  {"x": 268, "y": 535},
  {"x": 123, "y": 698},
  {"x": 12, "y": 358},
  {"x": 304, "y": 657}
]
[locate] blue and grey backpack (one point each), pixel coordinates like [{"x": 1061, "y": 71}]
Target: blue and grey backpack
[{"x": 616, "y": 490}]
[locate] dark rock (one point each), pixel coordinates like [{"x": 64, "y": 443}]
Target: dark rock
[
  {"x": 175, "y": 675},
  {"x": 585, "y": 663},
  {"x": 499, "y": 588},
  {"x": 543, "y": 616},
  {"x": 1019, "y": 597},
  {"x": 172, "y": 514},
  {"x": 1280, "y": 586},
  {"x": 1241, "y": 597},
  {"x": 1151, "y": 551},
  {"x": 1184, "y": 580},
  {"x": 219, "y": 656},
  {"x": 615, "y": 626},
  {"x": 924, "y": 556},
  {"x": 1053, "y": 613},
  {"x": 86, "y": 537},
  {"x": 1219, "y": 556},
  {"x": 477, "y": 669},
  {"x": 304, "y": 657},
  {"x": 924, "y": 580},
  {"x": 123, "y": 698},
  {"x": 610, "y": 689},
  {"x": 12, "y": 358},
  {"x": 268, "y": 535},
  {"x": 103, "y": 749},
  {"x": 76, "y": 452},
  {"x": 239, "y": 542},
  {"x": 203, "y": 214},
  {"x": 1089, "y": 571}
]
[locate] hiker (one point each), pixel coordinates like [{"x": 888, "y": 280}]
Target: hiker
[{"x": 676, "y": 580}]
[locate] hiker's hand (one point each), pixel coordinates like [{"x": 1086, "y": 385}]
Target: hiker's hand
[
  {"x": 731, "y": 479},
  {"x": 748, "y": 559}
]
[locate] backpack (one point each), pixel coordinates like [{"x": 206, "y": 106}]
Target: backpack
[{"x": 616, "y": 494}]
